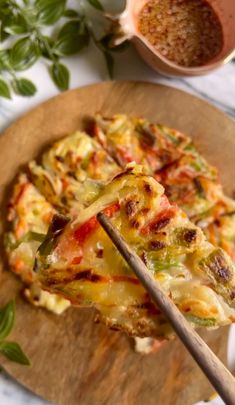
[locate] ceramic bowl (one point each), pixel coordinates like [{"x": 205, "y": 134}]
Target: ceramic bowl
[{"x": 127, "y": 29}]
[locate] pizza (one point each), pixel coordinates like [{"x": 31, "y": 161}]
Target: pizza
[
  {"x": 73, "y": 173},
  {"x": 69, "y": 175},
  {"x": 30, "y": 215},
  {"x": 172, "y": 158},
  {"x": 83, "y": 265},
  {"x": 167, "y": 154},
  {"x": 218, "y": 224},
  {"x": 190, "y": 183},
  {"x": 136, "y": 139}
]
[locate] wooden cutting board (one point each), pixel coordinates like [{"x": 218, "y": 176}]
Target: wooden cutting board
[{"x": 74, "y": 361}]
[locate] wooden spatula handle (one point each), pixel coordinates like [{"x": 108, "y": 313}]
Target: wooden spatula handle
[{"x": 216, "y": 372}]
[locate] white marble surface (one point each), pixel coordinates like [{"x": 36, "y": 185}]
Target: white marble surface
[{"x": 218, "y": 88}]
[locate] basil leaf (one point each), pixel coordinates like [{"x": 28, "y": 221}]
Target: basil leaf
[
  {"x": 7, "y": 318},
  {"x": 4, "y": 89},
  {"x": 12, "y": 351},
  {"x": 4, "y": 3},
  {"x": 70, "y": 44},
  {"x": 70, "y": 13},
  {"x": 72, "y": 37},
  {"x": 60, "y": 75},
  {"x": 96, "y": 4},
  {"x": 49, "y": 11},
  {"x": 15, "y": 25},
  {"x": 4, "y": 58},
  {"x": 71, "y": 27},
  {"x": 15, "y": 29},
  {"x": 23, "y": 54},
  {"x": 3, "y": 34},
  {"x": 24, "y": 87},
  {"x": 109, "y": 62}
]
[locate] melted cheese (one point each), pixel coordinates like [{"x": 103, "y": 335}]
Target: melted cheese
[
  {"x": 30, "y": 215},
  {"x": 72, "y": 172},
  {"x": 174, "y": 250},
  {"x": 72, "y": 175}
]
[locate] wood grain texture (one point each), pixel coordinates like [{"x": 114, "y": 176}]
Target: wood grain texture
[{"x": 74, "y": 361}]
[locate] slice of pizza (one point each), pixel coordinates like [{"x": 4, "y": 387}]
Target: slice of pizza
[
  {"x": 29, "y": 217},
  {"x": 136, "y": 139},
  {"x": 191, "y": 183},
  {"x": 72, "y": 172},
  {"x": 79, "y": 261},
  {"x": 167, "y": 154},
  {"x": 218, "y": 225}
]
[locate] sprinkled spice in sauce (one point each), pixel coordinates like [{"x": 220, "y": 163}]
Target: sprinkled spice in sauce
[{"x": 186, "y": 32}]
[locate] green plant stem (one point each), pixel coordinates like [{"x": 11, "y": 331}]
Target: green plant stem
[{"x": 46, "y": 44}]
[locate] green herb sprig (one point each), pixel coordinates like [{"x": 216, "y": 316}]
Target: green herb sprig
[
  {"x": 11, "y": 350},
  {"x": 23, "y": 41}
]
